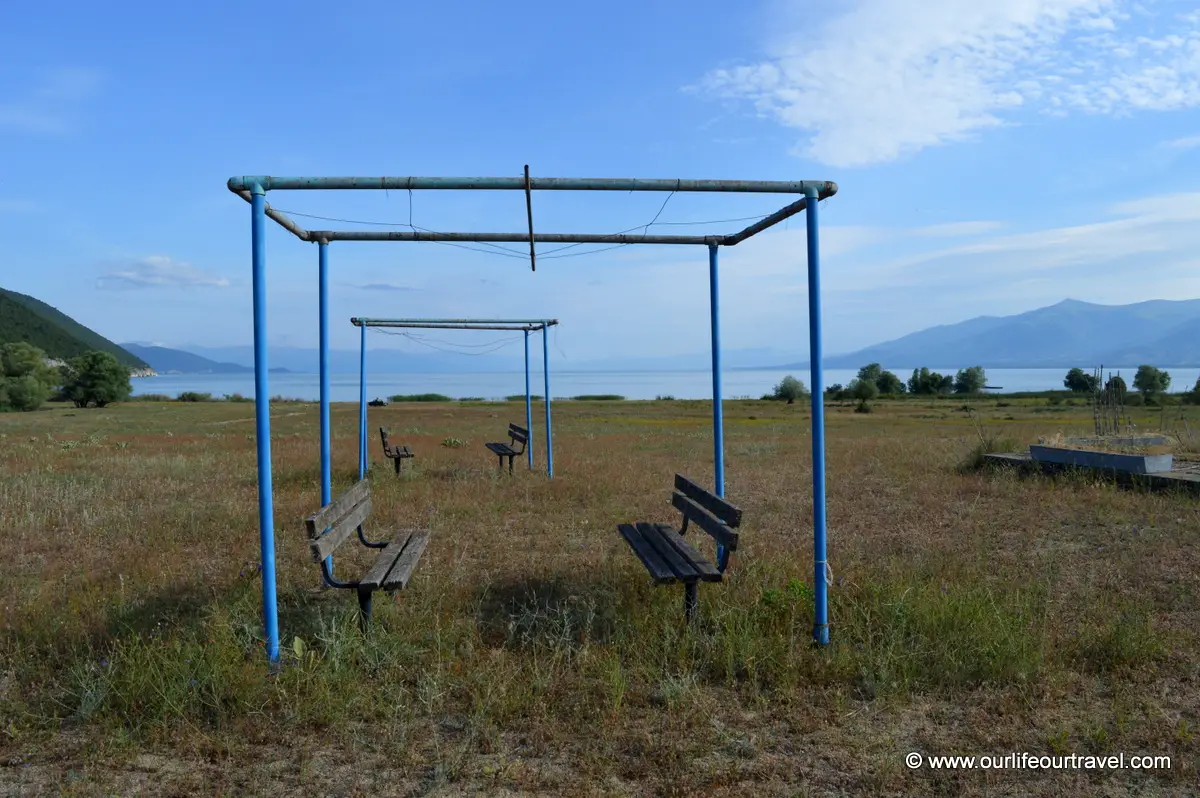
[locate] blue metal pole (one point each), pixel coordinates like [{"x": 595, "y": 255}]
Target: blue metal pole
[
  {"x": 817, "y": 377},
  {"x": 323, "y": 343},
  {"x": 262, "y": 421},
  {"x": 549, "y": 429},
  {"x": 718, "y": 415},
  {"x": 528, "y": 406},
  {"x": 362, "y": 402}
]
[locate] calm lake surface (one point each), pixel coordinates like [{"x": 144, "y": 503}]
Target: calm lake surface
[{"x": 631, "y": 385}]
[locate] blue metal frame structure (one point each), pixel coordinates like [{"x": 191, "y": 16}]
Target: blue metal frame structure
[
  {"x": 253, "y": 189},
  {"x": 525, "y": 325}
]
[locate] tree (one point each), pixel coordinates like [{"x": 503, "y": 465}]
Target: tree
[
  {"x": 889, "y": 383},
  {"x": 25, "y": 379},
  {"x": 924, "y": 381},
  {"x": 1150, "y": 380},
  {"x": 1116, "y": 387},
  {"x": 863, "y": 390},
  {"x": 1079, "y": 381},
  {"x": 885, "y": 381},
  {"x": 970, "y": 380},
  {"x": 870, "y": 372},
  {"x": 96, "y": 378},
  {"x": 1192, "y": 397},
  {"x": 791, "y": 389}
]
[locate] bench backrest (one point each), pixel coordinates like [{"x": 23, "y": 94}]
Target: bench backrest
[
  {"x": 341, "y": 517},
  {"x": 518, "y": 434},
  {"x": 383, "y": 436},
  {"x": 708, "y": 511}
]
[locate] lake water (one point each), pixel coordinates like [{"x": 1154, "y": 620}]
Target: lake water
[{"x": 632, "y": 385}]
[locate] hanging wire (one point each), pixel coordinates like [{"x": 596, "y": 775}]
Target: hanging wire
[
  {"x": 496, "y": 346},
  {"x": 498, "y": 249}
]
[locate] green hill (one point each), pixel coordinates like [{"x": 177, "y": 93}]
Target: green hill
[{"x": 23, "y": 318}]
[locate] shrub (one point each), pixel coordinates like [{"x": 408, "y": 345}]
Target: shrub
[
  {"x": 194, "y": 396},
  {"x": 96, "y": 378},
  {"x": 790, "y": 389},
  {"x": 970, "y": 380},
  {"x": 598, "y": 397},
  {"x": 421, "y": 397},
  {"x": 237, "y": 397},
  {"x": 25, "y": 379},
  {"x": 25, "y": 393},
  {"x": 151, "y": 397},
  {"x": 520, "y": 397}
]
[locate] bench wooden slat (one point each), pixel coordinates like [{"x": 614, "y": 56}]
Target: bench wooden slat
[
  {"x": 683, "y": 570},
  {"x": 501, "y": 448},
  {"x": 708, "y": 572},
  {"x": 646, "y": 553},
  {"x": 384, "y": 563},
  {"x": 325, "y": 545},
  {"x": 707, "y": 521},
  {"x": 406, "y": 563},
  {"x": 519, "y": 434},
  {"x": 723, "y": 510},
  {"x": 328, "y": 515}
]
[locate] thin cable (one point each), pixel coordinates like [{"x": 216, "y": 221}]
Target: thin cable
[{"x": 448, "y": 351}]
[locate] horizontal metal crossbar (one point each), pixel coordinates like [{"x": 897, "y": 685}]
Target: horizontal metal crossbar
[
  {"x": 812, "y": 189},
  {"x": 459, "y": 324},
  {"x": 823, "y": 188}
]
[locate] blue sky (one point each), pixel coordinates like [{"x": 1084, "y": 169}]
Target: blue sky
[{"x": 993, "y": 156}]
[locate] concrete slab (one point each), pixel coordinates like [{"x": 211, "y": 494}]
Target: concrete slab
[{"x": 1107, "y": 461}]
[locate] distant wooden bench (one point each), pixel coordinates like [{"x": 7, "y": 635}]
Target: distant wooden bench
[
  {"x": 394, "y": 451},
  {"x": 668, "y": 557},
  {"x": 517, "y": 435},
  {"x": 334, "y": 523}
]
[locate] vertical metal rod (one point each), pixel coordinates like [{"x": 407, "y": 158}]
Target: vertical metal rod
[
  {"x": 362, "y": 402},
  {"x": 262, "y": 421},
  {"x": 718, "y": 414},
  {"x": 528, "y": 407},
  {"x": 323, "y": 343},
  {"x": 546, "y": 375},
  {"x": 817, "y": 377},
  {"x": 529, "y": 213}
]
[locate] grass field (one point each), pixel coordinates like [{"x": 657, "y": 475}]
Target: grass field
[{"x": 973, "y": 612}]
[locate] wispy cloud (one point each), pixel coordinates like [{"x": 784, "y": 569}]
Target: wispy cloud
[
  {"x": 956, "y": 229},
  {"x": 52, "y": 104},
  {"x": 159, "y": 271},
  {"x": 882, "y": 80},
  {"x": 383, "y": 287},
  {"x": 1187, "y": 143}
]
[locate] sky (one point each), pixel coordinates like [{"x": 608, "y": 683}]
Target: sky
[{"x": 992, "y": 157}]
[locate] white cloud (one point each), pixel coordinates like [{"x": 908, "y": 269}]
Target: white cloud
[
  {"x": 1187, "y": 143},
  {"x": 159, "y": 271},
  {"x": 51, "y": 104},
  {"x": 887, "y": 78},
  {"x": 956, "y": 229}
]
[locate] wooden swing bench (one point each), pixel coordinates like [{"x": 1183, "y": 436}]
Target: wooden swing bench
[
  {"x": 516, "y": 435},
  {"x": 668, "y": 557},
  {"x": 396, "y": 452},
  {"x": 333, "y": 524}
]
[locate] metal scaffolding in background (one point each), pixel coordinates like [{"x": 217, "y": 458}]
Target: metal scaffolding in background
[
  {"x": 253, "y": 189},
  {"x": 524, "y": 325}
]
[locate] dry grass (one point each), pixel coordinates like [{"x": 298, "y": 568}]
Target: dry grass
[{"x": 973, "y": 613}]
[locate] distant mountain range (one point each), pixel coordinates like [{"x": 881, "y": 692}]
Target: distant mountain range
[
  {"x": 176, "y": 361},
  {"x": 29, "y": 320},
  {"x": 1071, "y": 333},
  {"x": 343, "y": 361}
]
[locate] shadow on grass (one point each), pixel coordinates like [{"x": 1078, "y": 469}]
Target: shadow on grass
[{"x": 554, "y": 612}]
